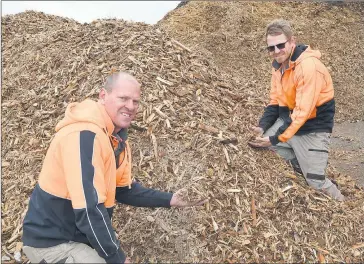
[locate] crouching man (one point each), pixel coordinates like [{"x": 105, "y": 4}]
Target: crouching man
[
  {"x": 298, "y": 121},
  {"x": 87, "y": 167}
]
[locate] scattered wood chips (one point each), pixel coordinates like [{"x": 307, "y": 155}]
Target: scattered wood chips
[
  {"x": 232, "y": 33},
  {"x": 190, "y": 133}
]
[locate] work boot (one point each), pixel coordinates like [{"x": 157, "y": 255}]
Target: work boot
[
  {"x": 295, "y": 166},
  {"x": 334, "y": 192}
]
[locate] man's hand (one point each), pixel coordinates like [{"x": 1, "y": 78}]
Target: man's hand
[
  {"x": 178, "y": 201},
  {"x": 260, "y": 142},
  {"x": 127, "y": 260},
  {"x": 258, "y": 131}
]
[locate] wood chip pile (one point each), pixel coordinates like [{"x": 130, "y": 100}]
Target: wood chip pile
[
  {"x": 190, "y": 134},
  {"x": 232, "y": 33}
]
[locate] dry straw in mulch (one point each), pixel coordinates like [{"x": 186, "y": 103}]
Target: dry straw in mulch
[
  {"x": 190, "y": 133},
  {"x": 232, "y": 34}
]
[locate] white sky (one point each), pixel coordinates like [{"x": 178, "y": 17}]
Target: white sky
[{"x": 86, "y": 11}]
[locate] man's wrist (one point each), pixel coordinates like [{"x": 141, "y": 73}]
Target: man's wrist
[
  {"x": 172, "y": 201},
  {"x": 274, "y": 140},
  {"x": 262, "y": 128}
]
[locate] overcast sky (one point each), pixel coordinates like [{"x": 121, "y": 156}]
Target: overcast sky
[{"x": 86, "y": 11}]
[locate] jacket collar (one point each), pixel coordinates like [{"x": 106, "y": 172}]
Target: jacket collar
[
  {"x": 109, "y": 126},
  {"x": 298, "y": 50},
  {"x": 123, "y": 134}
]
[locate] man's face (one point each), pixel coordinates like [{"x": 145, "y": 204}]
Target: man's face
[
  {"x": 122, "y": 102},
  {"x": 283, "y": 52}
]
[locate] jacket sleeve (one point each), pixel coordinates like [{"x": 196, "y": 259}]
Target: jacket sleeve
[
  {"x": 271, "y": 112},
  {"x": 83, "y": 166},
  {"x": 140, "y": 196},
  {"x": 309, "y": 83}
]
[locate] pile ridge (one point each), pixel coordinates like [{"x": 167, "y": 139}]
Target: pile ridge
[{"x": 232, "y": 33}]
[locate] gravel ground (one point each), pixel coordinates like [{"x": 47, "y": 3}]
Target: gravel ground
[{"x": 347, "y": 149}]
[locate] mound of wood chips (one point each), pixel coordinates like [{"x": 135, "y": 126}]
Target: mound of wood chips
[
  {"x": 190, "y": 134},
  {"x": 232, "y": 33}
]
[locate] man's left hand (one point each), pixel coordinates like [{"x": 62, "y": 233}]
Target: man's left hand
[
  {"x": 260, "y": 142},
  {"x": 178, "y": 201}
]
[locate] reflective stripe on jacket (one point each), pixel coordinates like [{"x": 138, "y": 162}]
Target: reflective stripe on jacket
[{"x": 75, "y": 195}]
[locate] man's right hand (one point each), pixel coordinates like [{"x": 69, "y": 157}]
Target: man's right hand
[
  {"x": 257, "y": 130},
  {"x": 255, "y": 142},
  {"x": 127, "y": 260},
  {"x": 178, "y": 201}
]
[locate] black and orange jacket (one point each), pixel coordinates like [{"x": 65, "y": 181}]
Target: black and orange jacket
[
  {"x": 86, "y": 168},
  {"x": 303, "y": 96}
]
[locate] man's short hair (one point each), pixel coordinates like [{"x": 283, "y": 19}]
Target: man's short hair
[
  {"x": 113, "y": 78},
  {"x": 277, "y": 27}
]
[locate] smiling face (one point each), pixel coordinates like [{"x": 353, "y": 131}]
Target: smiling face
[
  {"x": 280, "y": 55},
  {"x": 121, "y": 102}
]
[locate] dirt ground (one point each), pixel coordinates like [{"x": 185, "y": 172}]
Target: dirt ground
[{"x": 347, "y": 149}]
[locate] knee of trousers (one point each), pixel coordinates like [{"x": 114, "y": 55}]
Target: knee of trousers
[{"x": 283, "y": 152}]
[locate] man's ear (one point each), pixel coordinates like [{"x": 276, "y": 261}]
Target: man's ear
[
  {"x": 293, "y": 39},
  {"x": 102, "y": 95}
]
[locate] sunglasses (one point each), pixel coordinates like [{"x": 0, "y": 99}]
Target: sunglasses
[{"x": 279, "y": 46}]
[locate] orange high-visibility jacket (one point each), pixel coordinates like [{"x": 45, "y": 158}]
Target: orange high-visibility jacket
[
  {"x": 303, "y": 96},
  {"x": 75, "y": 196}
]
